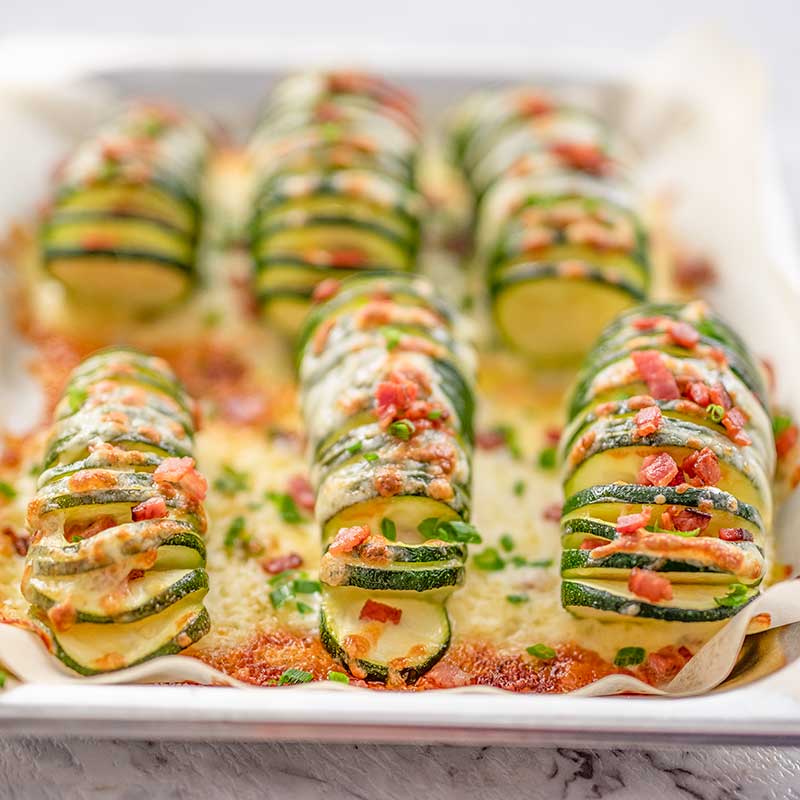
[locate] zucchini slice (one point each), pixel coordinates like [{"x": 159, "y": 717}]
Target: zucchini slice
[
  {"x": 384, "y": 651},
  {"x": 411, "y": 576}
]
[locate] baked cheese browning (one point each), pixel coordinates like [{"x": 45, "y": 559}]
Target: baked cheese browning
[
  {"x": 668, "y": 461},
  {"x": 122, "y": 227},
  {"x": 115, "y": 573},
  {"x": 387, "y": 399},
  {"x": 334, "y": 156},
  {"x": 557, "y": 231}
]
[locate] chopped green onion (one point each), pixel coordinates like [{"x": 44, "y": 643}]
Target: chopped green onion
[
  {"x": 629, "y": 656},
  {"x": 3, "y": 677},
  {"x": 516, "y": 599},
  {"x": 541, "y": 651},
  {"x": 402, "y": 429},
  {"x": 371, "y": 457},
  {"x": 519, "y": 488},
  {"x": 305, "y": 586},
  {"x": 715, "y": 413},
  {"x": 293, "y": 676},
  {"x": 435, "y": 413},
  {"x": 541, "y": 563},
  {"x": 231, "y": 481},
  {"x": 287, "y": 508},
  {"x": 506, "y": 542},
  {"x": 547, "y": 458},
  {"x": 780, "y": 423},
  {"x": 7, "y": 491},
  {"x": 304, "y": 608},
  {"x": 519, "y": 561},
  {"x": 686, "y": 534},
  {"x": 489, "y": 560},
  {"x": 338, "y": 677},
  {"x": 76, "y": 398},
  {"x": 454, "y": 530},
  {"x": 280, "y": 595},
  {"x": 355, "y": 447},
  {"x": 511, "y": 439},
  {"x": 389, "y": 529},
  {"x": 392, "y": 337},
  {"x": 234, "y": 532},
  {"x": 738, "y": 595}
]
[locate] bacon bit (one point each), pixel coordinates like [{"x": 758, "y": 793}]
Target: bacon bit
[
  {"x": 89, "y": 480},
  {"x": 388, "y": 481},
  {"x": 663, "y": 665},
  {"x": 552, "y": 513},
  {"x": 325, "y": 290},
  {"x": 660, "y": 381},
  {"x": 701, "y": 468},
  {"x": 347, "y": 259},
  {"x": 718, "y": 395},
  {"x": 692, "y": 272},
  {"x": 735, "y": 535},
  {"x": 591, "y": 542},
  {"x": 630, "y": 523},
  {"x": 534, "y": 105},
  {"x": 76, "y": 531},
  {"x": 647, "y": 421},
  {"x": 637, "y": 402},
  {"x": 182, "y": 471},
  {"x": 278, "y": 564},
  {"x": 321, "y": 336},
  {"x": 584, "y": 157},
  {"x": 647, "y": 323},
  {"x": 649, "y": 585},
  {"x": 301, "y": 491},
  {"x": 380, "y": 612},
  {"x": 446, "y": 675},
  {"x": 394, "y": 397},
  {"x": 20, "y": 541},
  {"x": 683, "y": 334},
  {"x": 135, "y": 574},
  {"x": 62, "y": 615},
  {"x": 786, "y": 440},
  {"x": 657, "y": 470},
  {"x": 734, "y": 422},
  {"x": 769, "y": 371},
  {"x": 687, "y": 519},
  {"x": 552, "y": 436},
  {"x": 244, "y": 408},
  {"x": 153, "y": 508},
  {"x": 348, "y": 539},
  {"x": 490, "y": 440},
  {"x": 98, "y": 241},
  {"x": 698, "y": 393},
  {"x": 719, "y": 356}
]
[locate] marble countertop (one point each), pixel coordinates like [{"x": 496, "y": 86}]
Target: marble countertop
[{"x": 88, "y": 769}]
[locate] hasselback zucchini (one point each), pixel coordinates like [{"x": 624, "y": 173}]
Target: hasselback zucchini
[
  {"x": 557, "y": 232},
  {"x": 334, "y": 156},
  {"x": 387, "y": 399},
  {"x": 668, "y": 459},
  {"x": 122, "y": 228},
  {"x": 115, "y": 573}
]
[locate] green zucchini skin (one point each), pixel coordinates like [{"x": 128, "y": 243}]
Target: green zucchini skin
[
  {"x": 124, "y": 223},
  {"x": 89, "y": 547},
  {"x": 333, "y": 198},
  {"x": 398, "y": 478},
  {"x": 699, "y": 368}
]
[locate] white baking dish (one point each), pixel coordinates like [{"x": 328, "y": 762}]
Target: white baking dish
[{"x": 229, "y": 78}]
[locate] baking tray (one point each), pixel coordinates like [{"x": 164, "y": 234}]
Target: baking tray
[{"x": 229, "y": 78}]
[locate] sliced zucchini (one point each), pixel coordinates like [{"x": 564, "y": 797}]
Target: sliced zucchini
[
  {"x": 384, "y": 651},
  {"x": 413, "y": 576}
]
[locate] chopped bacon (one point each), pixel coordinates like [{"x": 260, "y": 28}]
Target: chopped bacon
[
  {"x": 300, "y": 490},
  {"x": 786, "y": 440},
  {"x": 692, "y": 272},
  {"x": 393, "y": 397},
  {"x": 701, "y": 468},
  {"x": 653, "y": 371},
  {"x": 630, "y": 523},
  {"x": 649, "y": 585},
  {"x": 152, "y": 508},
  {"x": 20, "y": 541},
  {"x": 552, "y": 513},
  {"x": 388, "y": 481},
  {"x": 734, "y": 422},
  {"x": 182, "y": 472},
  {"x": 584, "y": 157},
  {"x": 735, "y": 535},
  {"x": 719, "y": 356},
  {"x": 325, "y": 290},
  {"x": 490, "y": 440},
  {"x": 698, "y": 393},
  {"x": 533, "y": 104},
  {"x": 76, "y": 531},
  {"x": 553, "y": 435},
  {"x": 347, "y": 259},
  {"x": 380, "y": 612},
  {"x": 348, "y": 539},
  {"x": 135, "y": 574},
  {"x": 657, "y": 470},
  {"x": 446, "y": 676},
  {"x": 647, "y": 323},
  {"x": 718, "y": 395},
  {"x": 635, "y": 403},
  {"x": 663, "y": 665},
  {"x": 687, "y": 519},
  {"x": 591, "y": 542},
  {"x": 98, "y": 241},
  {"x": 278, "y": 564},
  {"x": 647, "y": 421},
  {"x": 683, "y": 334}
]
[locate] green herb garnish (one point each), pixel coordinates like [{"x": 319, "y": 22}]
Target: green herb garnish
[
  {"x": 293, "y": 676},
  {"x": 780, "y": 423},
  {"x": 519, "y": 561},
  {"x": 305, "y": 586},
  {"x": 392, "y": 337},
  {"x": 76, "y": 398},
  {"x": 402, "y": 429},
  {"x": 287, "y": 508},
  {"x": 547, "y": 458},
  {"x": 304, "y": 608},
  {"x": 7, "y": 491},
  {"x": 516, "y": 599},
  {"x": 234, "y": 532},
  {"x": 541, "y": 651},
  {"x": 738, "y": 595},
  {"x": 434, "y": 413},
  {"x": 541, "y": 563},
  {"x": 338, "y": 677},
  {"x": 629, "y": 656},
  {"x": 371, "y": 457},
  {"x": 230, "y": 481},
  {"x": 511, "y": 439},
  {"x": 453, "y": 530},
  {"x": 489, "y": 560},
  {"x": 686, "y": 534},
  {"x": 506, "y": 542},
  {"x": 714, "y": 412},
  {"x": 519, "y": 488},
  {"x": 355, "y": 447},
  {"x": 389, "y": 529}
]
